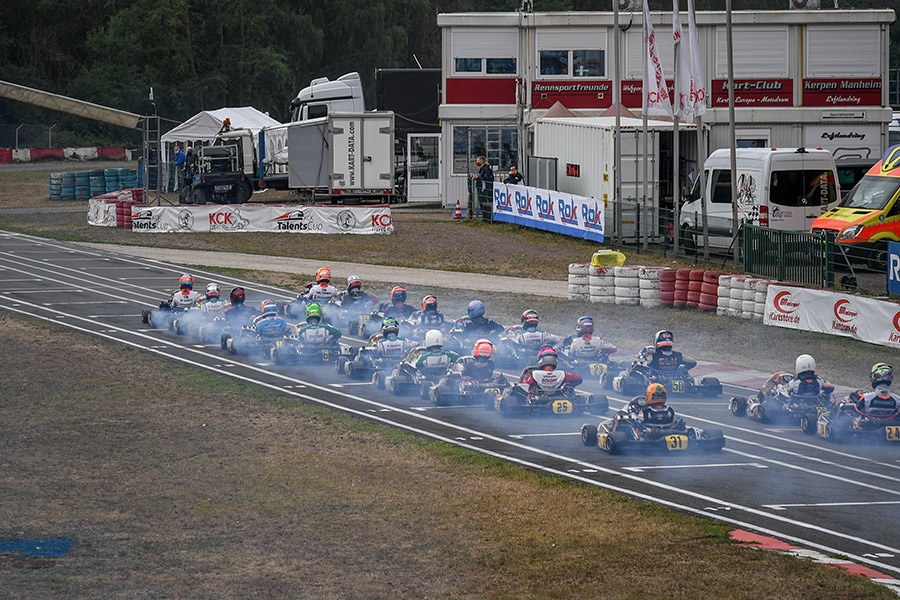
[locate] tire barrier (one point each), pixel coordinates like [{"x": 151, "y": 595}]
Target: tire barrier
[
  {"x": 9, "y": 155},
  {"x": 725, "y": 294},
  {"x": 579, "y": 281},
  {"x": 83, "y": 185}
]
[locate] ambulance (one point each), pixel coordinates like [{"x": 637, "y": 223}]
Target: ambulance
[{"x": 869, "y": 217}]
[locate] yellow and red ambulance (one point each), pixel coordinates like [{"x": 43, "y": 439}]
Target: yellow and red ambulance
[{"x": 869, "y": 216}]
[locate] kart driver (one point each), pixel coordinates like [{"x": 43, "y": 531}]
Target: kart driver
[
  {"x": 547, "y": 362},
  {"x": 267, "y": 323},
  {"x": 527, "y": 335},
  {"x": 427, "y": 318},
  {"x": 322, "y": 291},
  {"x": 652, "y": 407},
  {"x": 476, "y": 325},
  {"x": 583, "y": 345},
  {"x": 388, "y": 342},
  {"x": 480, "y": 365},
  {"x": 314, "y": 330},
  {"x": 238, "y": 312},
  {"x": 806, "y": 382},
  {"x": 880, "y": 402},
  {"x": 432, "y": 356},
  {"x": 185, "y": 297},
  {"x": 212, "y": 306},
  {"x": 397, "y": 306},
  {"x": 354, "y": 296},
  {"x": 662, "y": 356}
]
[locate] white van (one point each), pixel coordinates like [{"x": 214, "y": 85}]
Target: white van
[{"x": 781, "y": 188}]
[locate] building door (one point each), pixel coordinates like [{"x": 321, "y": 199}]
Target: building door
[{"x": 423, "y": 163}]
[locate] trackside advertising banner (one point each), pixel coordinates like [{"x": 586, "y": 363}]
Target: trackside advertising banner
[
  {"x": 865, "y": 319},
  {"x": 552, "y": 211},
  {"x": 258, "y": 217}
]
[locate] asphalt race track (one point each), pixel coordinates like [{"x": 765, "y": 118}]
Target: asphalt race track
[{"x": 774, "y": 480}]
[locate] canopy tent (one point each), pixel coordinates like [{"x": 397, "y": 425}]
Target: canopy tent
[{"x": 200, "y": 130}]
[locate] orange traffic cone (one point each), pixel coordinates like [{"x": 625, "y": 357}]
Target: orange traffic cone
[{"x": 457, "y": 213}]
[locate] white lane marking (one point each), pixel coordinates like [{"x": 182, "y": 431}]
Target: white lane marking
[
  {"x": 352, "y": 383},
  {"x": 801, "y": 505},
  {"x": 655, "y": 467},
  {"x": 522, "y": 436}
]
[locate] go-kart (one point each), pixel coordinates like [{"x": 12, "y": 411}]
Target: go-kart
[
  {"x": 551, "y": 395},
  {"x": 847, "y": 422},
  {"x": 199, "y": 323},
  {"x": 375, "y": 361},
  {"x": 316, "y": 345},
  {"x": 518, "y": 348},
  {"x": 406, "y": 376},
  {"x": 454, "y": 388},
  {"x": 637, "y": 377},
  {"x": 345, "y": 314},
  {"x": 162, "y": 317},
  {"x": 594, "y": 367},
  {"x": 247, "y": 340},
  {"x": 775, "y": 403},
  {"x": 630, "y": 430}
]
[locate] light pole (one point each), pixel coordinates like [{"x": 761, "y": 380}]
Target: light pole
[{"x": 50, "y": 136}]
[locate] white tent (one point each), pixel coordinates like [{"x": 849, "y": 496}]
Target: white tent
[{"x": 200, "y": 130}]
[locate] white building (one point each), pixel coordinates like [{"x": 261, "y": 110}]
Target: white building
[{"x": 802, "y": 78}]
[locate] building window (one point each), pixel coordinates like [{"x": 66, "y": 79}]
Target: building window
[
  {"x": 468, "y": 65},
  {"x": 573, "y": 63},
  {"x": 500, "y": 145},
  {"x": 489, "y": 66}
]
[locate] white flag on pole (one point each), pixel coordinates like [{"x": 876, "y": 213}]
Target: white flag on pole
[
  {"x": 656, "y": 100},
  {"x": 699, "y": 90},
  {"x": 683, "y": 107}
]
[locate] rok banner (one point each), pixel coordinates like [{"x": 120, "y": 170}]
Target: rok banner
[
  {"x": 261, "y": 218},
  {"x": 559, "y": 212}
]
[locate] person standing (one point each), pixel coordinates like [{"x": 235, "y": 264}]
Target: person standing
[
  {"x": 179, "y": 166},
  {"x": 514, "y": 177},
  {"x": 484, "y": 184}
]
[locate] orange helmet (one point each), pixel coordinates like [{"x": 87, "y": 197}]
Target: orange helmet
[
  {"x": 323, "y": 275},
  {"x": 656, "y": 394},
  {"x": 483, "y": 348},
  {"x": 186, "y": 282},
  {"x": 398, "y": 294},
  {"x": 429, "y": 303}
]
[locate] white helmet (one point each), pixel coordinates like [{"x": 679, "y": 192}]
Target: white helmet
[
  {"x": 434, "y": 338},
  {"x": 212, "y": 290},
  {"x": 804, "y": 363}
]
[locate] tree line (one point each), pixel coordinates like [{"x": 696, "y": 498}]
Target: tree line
[{"x": 206, "y": 54}]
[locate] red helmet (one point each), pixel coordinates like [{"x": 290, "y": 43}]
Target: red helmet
[
  {"x": 483, "y": 348},
  {"x": 237, "y": 295},
  {"x": 323, "y": 275}
]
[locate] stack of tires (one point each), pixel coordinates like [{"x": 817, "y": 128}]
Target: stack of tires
[
  {"x": 695, "y": 284},
  {"x": 579, "y": 281},
  {"x": 128, "y": 179},
  {"x": 682, "y": 286},
  {"x": 628, "y": 286},
  {"x": 667, "y": 286},
  {"x": 602, "y": 284},
  {"x": 649, "y": 286},
  {"x": 111, "y": 177},
  {"x": 736, "y": 301},
  {"x": 55, "y": 183},
  {"x": 723, "y": 301},
  {"x": 709, "y": 292}
]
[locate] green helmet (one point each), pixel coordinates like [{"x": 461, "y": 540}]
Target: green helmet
[
  {"x": 313, "y": 311},
  {"x": 881, "y": 373}
]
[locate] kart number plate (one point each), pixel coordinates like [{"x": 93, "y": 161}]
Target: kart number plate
[
  {"x": 223, "y": 188},
  {"x": 892, "y": 433},
  {"x": 678, "y": 386},
  {"x": 325, "y": 355},
  {"x": 676, "y": 442},
  {"x": 561, "y": 407},
  {"x": 597, "y": 368}
]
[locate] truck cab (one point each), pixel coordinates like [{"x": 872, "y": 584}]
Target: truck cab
[
  {"x": 781, "y": 188},
  {"x": 323, "y": 96},
  {"x": 869, "y": 217}
]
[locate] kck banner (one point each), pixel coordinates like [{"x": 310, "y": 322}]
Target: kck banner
[
  {"x": 865, "y": 319},
  {"x": 374, "y": 219},
  {"x": 559, "y": 212}
]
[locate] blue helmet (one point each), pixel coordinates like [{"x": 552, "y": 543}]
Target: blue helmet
[{"x": 476, "y": 309}]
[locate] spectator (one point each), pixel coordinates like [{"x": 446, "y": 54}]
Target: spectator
[
  {"x": 179, "y": 166},
  {"x": 484, "y": 184},
  {"x": 514, "y": 177}
]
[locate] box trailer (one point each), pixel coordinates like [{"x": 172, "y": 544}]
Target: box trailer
[
  {"x": 343, "y": 157},
  {"x": 585, "y": 150}
]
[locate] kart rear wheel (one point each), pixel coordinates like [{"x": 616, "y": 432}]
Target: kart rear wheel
[
  {"x": 392, "y": 385},
  {"x": 353, "y": 327},
  {"x": 425, "y": 390},
  {"x": 378, "y": 380},
  {"x": 606, "y": 381},
  {"x": 710, "y": 387},
  {"x": 613, "y": 442},
  {"x": 145, "y": 317},
  {"x": 340, "y": 365},
  {"x": 277, "y": 355},
  {"x": 600, "y": 405},
  {"x": 507, "y": 409},
  {"x": 808, "y": 423},
  {"x": 738, "y": 406},
  {"x": 223, "y": 341},
  {"x": 438, "y": 397},
  {"x": 589, "y": 434},
  {"x": 353, "y": 369},
  {"x": 715, "y": 440}
]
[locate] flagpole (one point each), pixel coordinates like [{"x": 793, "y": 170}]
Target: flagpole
[
  {"x": 644, "y": 131},
  {"x": 732, "y": 143},
  {"x": 676, "y": 142},
  {"x": 617, "y": 161}
]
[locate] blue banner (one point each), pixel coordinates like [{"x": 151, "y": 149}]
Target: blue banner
[
  {"x": 549, "y": 210},
  {"x": 893, "y": 266}
]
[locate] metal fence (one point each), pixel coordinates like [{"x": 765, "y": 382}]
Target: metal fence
[{"x": 791, "y": 256}]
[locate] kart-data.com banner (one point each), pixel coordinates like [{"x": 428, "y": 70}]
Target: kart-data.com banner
[{"x": 559, "y": 212}]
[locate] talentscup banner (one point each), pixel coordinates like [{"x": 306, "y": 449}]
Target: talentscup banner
[
  {"x": 553, "y": 211},
  {"x": 865, "y": 319},
  {"x": 259, "y": 217}
]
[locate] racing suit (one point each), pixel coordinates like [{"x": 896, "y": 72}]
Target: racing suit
[
  {"x": 185, "y": 298},
  {"x": 480, "y": 327},
  {"x": 664, "y": 362},
  {"x": 532, "y": 379},
  {"x": 469, "y": 368},
  {"x": 317, "y": 334},
  {"x": 400, "y": 311},
  {"x": 584, "y": 347},
  {"x": 321, "y": 293},
  {"x": 880, "y": 402},
  {"x": 658, "y": 414},
  {"x": 212, "y": 307},
  {"x": 421, "y": 321},
  {"x": 238, "y": 314},
  {"x": 809, "y": 385},
  {"x": 530, "y": 341},
  {"x": 269, "y": 326},
  {"x": 422, "y": 359}
]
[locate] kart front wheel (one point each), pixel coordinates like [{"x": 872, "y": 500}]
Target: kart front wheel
[
  {"x": 378, "y": 380},
  {"x": 808, "y": 423},
  {"x": 606, "y": 381},
  {"x": 738, "y": 406}
]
